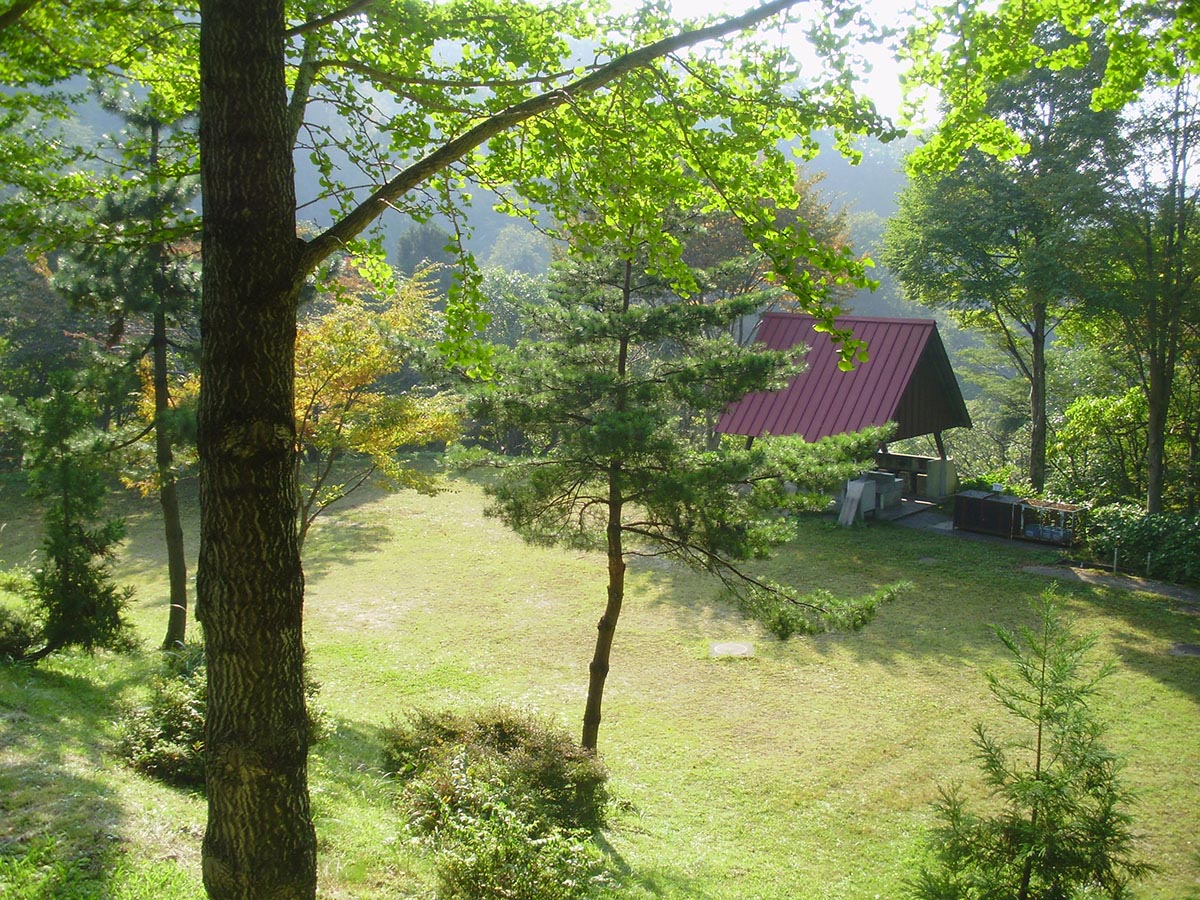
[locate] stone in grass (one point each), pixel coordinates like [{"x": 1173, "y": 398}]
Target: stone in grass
[
  {"x": 730, "y": 648},
  {"x": 1185, "y": 650}
]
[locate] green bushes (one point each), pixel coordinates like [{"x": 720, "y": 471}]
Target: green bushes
[
  {"x": 1164, "y": 546},
  {"x": 19, "y": 630},
  {"x": 506, "y": 800},
  {"x": 164, "y": 736}
]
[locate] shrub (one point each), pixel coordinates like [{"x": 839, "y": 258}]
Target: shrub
[
  {"x": 164, "y": 737},
  {"x": 17, "y": 580},
  {"x": 506, "y": 800},
  {"x": 18, "y": 632},
  {"x": 1165, "y": 546},
  {"x": 1008, "y": 477},
  {"x": 541, "y": 768},
  {"x": 493, "y": 851}
]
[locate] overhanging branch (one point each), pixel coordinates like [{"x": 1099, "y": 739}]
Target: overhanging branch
[
  {"x": 358, "y": 219},
  {"x": 13, "y": 14}
]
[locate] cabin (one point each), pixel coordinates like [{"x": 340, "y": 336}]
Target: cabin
[{"x": 907, "y": 379}]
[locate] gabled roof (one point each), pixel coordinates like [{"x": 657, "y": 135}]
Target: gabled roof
[{"x": 907, "y": 379}]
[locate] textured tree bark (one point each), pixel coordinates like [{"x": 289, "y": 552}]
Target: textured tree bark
[
  {"x": 260, "y": 841},
  {"x": 1158, "y": 400}
]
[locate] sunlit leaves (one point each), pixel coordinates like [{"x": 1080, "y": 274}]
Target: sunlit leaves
[
  {"x": 964, "y": 51},
  {"x": 345, "y": 411}
]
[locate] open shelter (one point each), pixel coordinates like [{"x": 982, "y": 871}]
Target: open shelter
[{"x": 907, "y": 379}]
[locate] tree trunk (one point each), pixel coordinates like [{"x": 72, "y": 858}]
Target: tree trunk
[
  {"x": 168, "y": 495},
  {"x": 1158, "y": 398},
  {"x": 260, "y": 840},
  {"x": 1037, "y": 399},
  {"x": 607, "y": 627}
]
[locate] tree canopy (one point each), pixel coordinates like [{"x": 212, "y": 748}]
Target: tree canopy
[{"x": 964, "y": 51}]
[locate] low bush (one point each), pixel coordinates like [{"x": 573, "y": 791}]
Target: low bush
[
  {"x": 17, "y": 580},
  {"x": 506, "y": 800},
  {"x": 1164, "y": 546},
  {"x": 164, "y": 736},
  {"x": 493, "y": 851},
  {"x": 19, "y": 630},
  {"x": 540, "y": 767}
]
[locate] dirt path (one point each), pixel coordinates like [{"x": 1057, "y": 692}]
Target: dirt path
[{"x": 1185, "y": 595}]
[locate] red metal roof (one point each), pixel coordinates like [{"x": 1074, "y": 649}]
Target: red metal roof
[{"x": 907, "y": 379}]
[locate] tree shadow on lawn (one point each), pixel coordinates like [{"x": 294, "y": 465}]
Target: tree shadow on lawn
[
  {"x": 337, "y": 537},
  {"x": 1171, "y": 622},
  {"x": 961, "y": 591},
  {"x": 656, "y": 882},
  {"x": 65, "y": 822}
]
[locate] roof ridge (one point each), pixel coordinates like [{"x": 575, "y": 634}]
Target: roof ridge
[{"x": 907, "y": 320}]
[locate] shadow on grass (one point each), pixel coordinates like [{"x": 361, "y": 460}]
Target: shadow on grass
[
  {"x": 962, "y": 590},
  {"x": 651, "y": 883},
  {"x": 1171, "y": 622},
  {"x": 61, "y": 831}
]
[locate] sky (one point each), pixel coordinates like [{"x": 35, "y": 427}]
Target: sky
[{"x": 882, "y": 84}]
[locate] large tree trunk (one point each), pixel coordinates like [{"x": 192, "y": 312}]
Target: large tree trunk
[
  {"x": 260, "y": 840},
  {"x": 168, "y": 495}
]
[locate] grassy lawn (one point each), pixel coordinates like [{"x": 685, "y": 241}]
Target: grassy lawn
[{"x": 803, "y": 772}]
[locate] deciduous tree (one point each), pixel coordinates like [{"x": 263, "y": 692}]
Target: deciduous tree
[
  {"x": 344, "y": 410},
  {"x": 517, "y": 88},
  {"x": 267, "y": 70},
  {"x": 1146, "y": 259},
  {"x": 997, "y": 243}
]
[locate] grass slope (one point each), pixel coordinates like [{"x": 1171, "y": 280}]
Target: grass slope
[{"x": 803, "y": 772}]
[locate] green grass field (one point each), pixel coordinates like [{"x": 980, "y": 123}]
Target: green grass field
[{"x": 803, "y": 772}]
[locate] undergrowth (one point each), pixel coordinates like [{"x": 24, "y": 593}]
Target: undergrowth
[
  {"x": 163, "y": 736},
  {"x": 507, "y": 801}
]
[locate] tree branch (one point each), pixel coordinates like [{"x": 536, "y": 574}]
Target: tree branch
[
  {"x": 346, "y": 12},
  {"x": 725, "y": 570},
  {"x": 13, "y": 14},
  {"x": 357, "y": 220},
  {"x": 400, "y": 83}
]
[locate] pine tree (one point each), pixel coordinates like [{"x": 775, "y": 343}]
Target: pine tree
[
  {"x": 73, "y": 589},
  {"x": 614, "y": 364},
  {"x": 1060, "y": 831}
]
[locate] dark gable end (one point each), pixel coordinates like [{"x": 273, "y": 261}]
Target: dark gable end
[{"x": 906, "y": 379}]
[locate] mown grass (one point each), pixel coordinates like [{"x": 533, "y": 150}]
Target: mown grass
[{"x": 803, "y": 772}]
